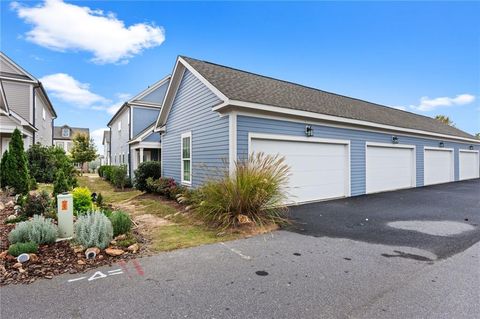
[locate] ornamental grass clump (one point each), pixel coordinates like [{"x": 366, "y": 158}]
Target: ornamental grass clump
[
  {"x": 257, "y": 190},
  {"x": 93, "y": 229},
  {"x": 39, "y": 230}
]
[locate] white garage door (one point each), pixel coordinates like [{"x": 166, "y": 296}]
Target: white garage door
[
  {"x": 389, "y": 167},
  {"x": 438, "y": 166},
  {"x": 469, "y": 164},
  {"x": 318, "y": 170}
]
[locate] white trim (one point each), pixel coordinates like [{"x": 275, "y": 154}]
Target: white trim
[
  {"x": 328, "y": 124},
  {"x": 306, "y": 114},
  {"x": 144, "y": 135},
  {"x": 468, "y": 151},
  {"x": 149, "y": 90},
  {"x": 294, "y": 138},
  {"x": 459, "y": 162},
  {"x": 184, "y": 135},
  {"x": 6, "y": 78},
  {"x": 386, "y": 145},
  {"x": 232, "y": 133},
  {"x": 18, "y": 67},
  {"x": 452, "y": 168},
  {"x": 156, "y": 145}
]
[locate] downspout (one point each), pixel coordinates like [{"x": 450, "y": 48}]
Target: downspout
[{"x": 34, "y": 111}]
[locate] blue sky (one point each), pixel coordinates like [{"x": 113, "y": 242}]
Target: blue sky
[{"x": 422, "y": 57}]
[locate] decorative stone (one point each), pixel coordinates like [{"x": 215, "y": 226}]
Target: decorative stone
[
  {"x": 3, "y": 254},
  {"x": 2, "y": 206},
  {"x": 133, "y": 248},
  {"x": 21, "y": 270},
  {"x": 17, "y": 207},
  {"x": 11, "y": 217},
  {"x": 114, "y": 251},
  {"x": 100, "y": 257},
  {"x": 81, "y": 262},
  {"x": 113, "y": 242},
  {"x": 33, "y": 258},
  {"x": 17, "y": 265},
  {"x": 121, "y": 237},
  {"x": 10, "y": 204},
  {"x": 78, "y": 249}
]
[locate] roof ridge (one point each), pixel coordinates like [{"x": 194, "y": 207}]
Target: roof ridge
[{"x": 316, "y": 89}]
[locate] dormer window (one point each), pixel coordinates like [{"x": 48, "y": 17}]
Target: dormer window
[{"x": 65, "y": 132}]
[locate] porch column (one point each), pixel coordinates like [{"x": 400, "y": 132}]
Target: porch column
[
  {"x": 134, "y": 159},
  {"x": 141, "y": 155}
]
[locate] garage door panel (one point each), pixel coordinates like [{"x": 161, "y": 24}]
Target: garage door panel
[
  {"x": 438, "y": 166},
  {"x": 317, "y": 170},
  {"x": 469, "y": 165},
  {"x": 389, "y": 168}
]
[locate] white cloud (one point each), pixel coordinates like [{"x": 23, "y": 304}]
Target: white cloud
[
  {"x": 97, "y": 136},
  {"x": 428, "y": 104},
  {"x": 63, "y": 26},
  {"x": 66, "y": 88}
]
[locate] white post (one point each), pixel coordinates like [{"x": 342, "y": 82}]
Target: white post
[
  {"x": 141, "y": 155},
  {"x": 65, "y": 215}
]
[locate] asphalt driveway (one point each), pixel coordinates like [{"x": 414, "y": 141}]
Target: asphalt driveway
[{"x": 366, "y": 218}]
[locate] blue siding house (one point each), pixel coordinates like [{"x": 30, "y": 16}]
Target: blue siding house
[
  {"x": 336, "y": 146},
  {"x": 132, "y": 138}
]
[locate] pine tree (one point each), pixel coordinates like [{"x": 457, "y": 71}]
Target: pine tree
[
  {"x": 60, "y": 184},
  {"x": 3, "y": 169},
  {"x": 16, "y": 168}
]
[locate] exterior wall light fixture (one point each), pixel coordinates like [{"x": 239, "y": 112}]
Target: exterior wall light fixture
[
  {"x": 395, "y": 139},
  {"x": 441, "y": 144},
  {"x": 308, "y": 131},
  {"x": 471, "y": 147}
]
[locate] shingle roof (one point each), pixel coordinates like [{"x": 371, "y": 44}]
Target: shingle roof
[
  {"x": 57, "y": 132},
  {"x": 249, "y": 87}
]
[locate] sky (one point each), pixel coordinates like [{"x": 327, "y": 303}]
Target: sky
[{"x": 92, "y": 56}]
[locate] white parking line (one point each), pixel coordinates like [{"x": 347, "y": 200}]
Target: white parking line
[
  {"x": 238, "y": 252},
  {"x": 115, "y": 270},
  {"x": 76, "y": 279}
]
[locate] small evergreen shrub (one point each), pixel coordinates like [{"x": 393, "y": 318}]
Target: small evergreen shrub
[
  {"x": 23, "y": 248},
  {"x": 146, "y": 170},
  {"x": 121, "y": 223},
  {"x": 82, "y": 200},
  {"x": 3, "y": 170},
  {"x": 16, "y": 168},
  {"x": 119, "y": 176},
  {"x": 44, "y": 162},
  {"x": 99, "y": 200},
  {"x": 39, "y": 230},
  {"x": 61, "y": 184},
  {"x": 37, "y": 204},
  {"x": 93, "y": 229}
]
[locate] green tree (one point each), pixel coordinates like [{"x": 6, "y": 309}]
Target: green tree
[
  {"x": 16, "y": 168},
  {"x": 444, "y": 119},
  {"x": 3, "y": 169},
  {"x": 60, "y": 184},
  {"x": 83, "y": 149}
]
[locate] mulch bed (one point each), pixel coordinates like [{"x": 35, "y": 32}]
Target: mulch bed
[{"x": 54, "y": 259}]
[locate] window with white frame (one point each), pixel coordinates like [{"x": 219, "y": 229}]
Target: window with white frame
[
  {"x": 119, "y": 126},
  {"x": 65, "y": 132},
  {"x": 186, "y": 142},
  {"x": 44, "y": 114}
]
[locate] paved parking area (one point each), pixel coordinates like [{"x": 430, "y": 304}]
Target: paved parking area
[{"x": 400, "y": 218}]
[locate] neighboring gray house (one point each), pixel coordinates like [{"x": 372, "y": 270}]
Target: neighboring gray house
[
  {"x": 24, "y": 105},
  {"x": 106, "y": 148},
  {"x": 132, "y": 139},
  {"x": 336, "y": 146},
  {"x": 63, "y": 136}
]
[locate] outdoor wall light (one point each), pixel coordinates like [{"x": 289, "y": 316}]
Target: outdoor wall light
[
  {"x": 441, "y": 144},
  {"x": 395, "y": 139},
  {"x": 308, "y": 131},
  {"x": 470, "y": 147}
]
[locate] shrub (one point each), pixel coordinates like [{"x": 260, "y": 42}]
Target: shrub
[
  {"x": 23, "y": 248},
  {"x": 189, "y": 196},
  {"x": 39, "y": 229},
  {"x": 82, "y": 200},
  {"x": 99, "y": 200},
  {"x": 119, "y": 176},
  {"x": 256, "y": 190},
  {"x": 19, "y": 218},
  {"x": 107, "y": 173},
  {"x": 101, "y": 170},
  {"x": 16, "y": 169},
  {"x": 162, "y": 186},
  {"x": 3, "y": 170},
  {"x": 44, "y": 162},
  {"x": 37, "y": 204},
  {"x": 121, "y": 223},
  {"x": 60, "y": 185},
  {"x": 145, "y": 170},
  {"x": 93, "y": 229}
]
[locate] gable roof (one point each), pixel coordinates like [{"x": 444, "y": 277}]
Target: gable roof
[
  {"x": 146, "y": 132},
  {"x": 57, "y": 132},
  {"x": 238, "y": 85}
]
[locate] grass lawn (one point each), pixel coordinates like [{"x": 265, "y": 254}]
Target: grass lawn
[{"x": 179, "y": 231}]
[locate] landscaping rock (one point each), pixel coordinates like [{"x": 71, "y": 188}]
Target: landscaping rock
[
  {"x": 17, "y": 265},
  {"x": 17, "y": 207},
  {"x": 3, "y": 254},
  {"x": 113, "y": 242},
  {"x": 133, "y": 248},
  {"x": 114, "y": 251},
  {"x": 121, "y": 237},
  {"x": 21, "y": 270},
  {"x": 78, "y": 249},
  {"x": 33, "y": 258},
  {"x": 11, "y": 217},
  {"x": 100, "y": 257},
  {"x": 10, "y": 204},
  {"x": 2, "y": 206},
  {"x": 81, "y": 262}
]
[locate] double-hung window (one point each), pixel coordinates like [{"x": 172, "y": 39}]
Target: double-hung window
[{"x": 186, "y": 142}]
